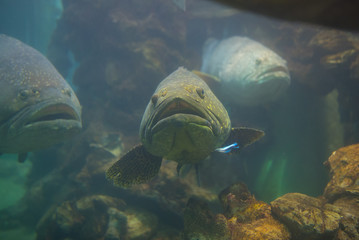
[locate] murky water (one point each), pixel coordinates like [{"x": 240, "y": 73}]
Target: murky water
[{"x": 115, "y": 53}]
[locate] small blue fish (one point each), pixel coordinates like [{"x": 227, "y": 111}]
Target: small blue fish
[{"x": 228, "y": 148}]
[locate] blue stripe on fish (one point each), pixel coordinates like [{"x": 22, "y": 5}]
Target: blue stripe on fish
[{"x": 228, "y": 148}]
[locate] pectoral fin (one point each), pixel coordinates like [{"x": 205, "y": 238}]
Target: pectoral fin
[
  {"x": 182, "y": 171},
  {"x": 244, "y": 137},
  {"x": 135, "y": 167}
]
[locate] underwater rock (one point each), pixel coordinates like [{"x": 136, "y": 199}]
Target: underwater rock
[
  {"x": 130, "y": 224},
  {"x": 245, "y": 218},
  {"x": 335, "y": 215},
  {"x": 319, "y": 59},
  {"x": 238, "y": 202},
  {"x": 249, "y": 218},
  {"x": 205, "y": 9},
  {"x": 307, "y": 217},
  {"x": 119, "y": 28},
  {"x": 348, "y": 227},
  {"x": 167, "y": 234},
  {"x": 103, "y": 148},
  {"x": 332, "y": 41},
  {"x": 96, "y": 217},
  {"x": 333, "y": 13},
  {"x": 338, "y": 49},
  {"x": 170, "y": 191},
  {"x": 201, "y": 223},
  {"x": 344, "y": 169},
  {"x": 262, "y": 229}
]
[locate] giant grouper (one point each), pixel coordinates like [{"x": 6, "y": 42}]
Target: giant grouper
[
  {"x": 184, "y": 122},
  {"x": 38, "y": 108}
]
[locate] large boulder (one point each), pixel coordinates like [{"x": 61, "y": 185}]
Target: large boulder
[
  {"x": 244, "y": 218},
  {"x": 249, "y": 218},
  {"x": 335, "y": 215},
  {"x": 307, "y": 217},
  {"x": 349, "y": 222},
  {"x": 344, "y": 168}
]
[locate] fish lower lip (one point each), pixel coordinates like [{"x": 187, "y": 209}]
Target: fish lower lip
[
  {"x": 274, "y": 70},
  {"x": 54, "y": 112},
  {"x": 179, "y": 120}
]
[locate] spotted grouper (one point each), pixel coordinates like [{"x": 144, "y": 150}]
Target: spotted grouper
[
  {"x": 249, "y": 73},
  {"x": 37, "y": 106},
  {"x": 184, "y": 122}
]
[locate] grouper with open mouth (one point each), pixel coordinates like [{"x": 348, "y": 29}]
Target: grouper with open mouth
[
  {"x": 38, "y": 108},
  {"x": 184, "y": 122}
]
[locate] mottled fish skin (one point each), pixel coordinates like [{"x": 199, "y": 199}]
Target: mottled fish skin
[
  {"x": 38, "y": 108},
  {"x": 184, "y": 121},
  {"x": 251, "y": 73}
]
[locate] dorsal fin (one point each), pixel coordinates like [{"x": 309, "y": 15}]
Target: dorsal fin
[
  {"x": 212, "y": 81},
  {"x": 183, "y": 169}
]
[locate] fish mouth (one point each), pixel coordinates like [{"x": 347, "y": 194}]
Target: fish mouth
[
  {"x": 180, "y": 110},
  {"x": 179, "y": 106},
  {"x": 53, "y": 112},
  {"x": 275, "y": 70}
]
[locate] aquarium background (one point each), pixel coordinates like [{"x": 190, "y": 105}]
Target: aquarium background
[{"x": 114, "y": 53}]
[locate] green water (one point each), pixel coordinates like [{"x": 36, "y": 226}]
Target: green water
[
  {"x": 12, "y": 188},
  {"x": 12, "y": 180}
]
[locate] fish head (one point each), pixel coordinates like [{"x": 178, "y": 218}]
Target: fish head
[
  {"x": 38, "y": 107},
  {"x": 264, "y": 65},
  {"x": 250, "y": 72},
  {"x": 261, "y": 73},
  {"x": 184, "y": 120}
]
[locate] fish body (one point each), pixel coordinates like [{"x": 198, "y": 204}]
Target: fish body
[
  {"x": 184, "y": 122},
  {"x": 37, "y": 106},
  {"x": 250, "y": 73}
]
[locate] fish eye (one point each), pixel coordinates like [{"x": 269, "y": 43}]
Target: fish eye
[
  {"x": 200, "y": 92},
  {"x": 23, "y": 94},
  {"x": 258, "y": 61},
  {"x": 35, "y": 91},
  {"x": 154, "y": 99}
]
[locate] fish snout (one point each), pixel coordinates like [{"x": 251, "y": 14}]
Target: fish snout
[{"x": 179, "y": 104}]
